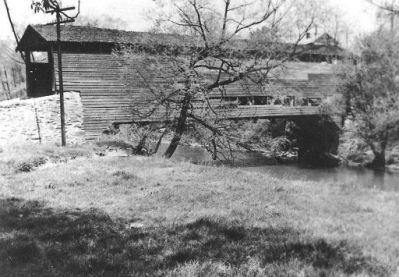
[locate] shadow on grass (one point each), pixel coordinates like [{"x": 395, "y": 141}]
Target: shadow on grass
[{"x": 37, "y": 241}]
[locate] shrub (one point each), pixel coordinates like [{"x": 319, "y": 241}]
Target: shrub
[
  {"x": 115, "y": 144},
  {"x": 393, "y": 159},
  {"x": 30, "y": 164},
  {"x": 125, "y": 176},
  {"x": 280, "y": 144},
  {"x": 25, "y": 158}
]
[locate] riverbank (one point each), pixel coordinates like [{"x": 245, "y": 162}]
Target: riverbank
[
  {"x": 363, "y": 159},
  {"x": 116, "y": 216},
  {"x": 272, "y": 142}
]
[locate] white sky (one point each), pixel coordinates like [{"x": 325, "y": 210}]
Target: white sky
[{"x": 359, "y": 14}]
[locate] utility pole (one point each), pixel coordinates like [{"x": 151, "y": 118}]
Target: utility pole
[{"x": 59, "y": 12}]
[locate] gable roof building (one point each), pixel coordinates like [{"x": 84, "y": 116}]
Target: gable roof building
[
  {"x": 90, "y": 69},
  {"x": 86, "y": 38}
]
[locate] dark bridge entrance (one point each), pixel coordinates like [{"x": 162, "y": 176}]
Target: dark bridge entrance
[
  {"x": 39, "y": 84},
  {"x": 40, "y": 74}
]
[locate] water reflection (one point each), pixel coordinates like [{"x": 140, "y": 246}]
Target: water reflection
[
  {"x": 342, "y": 175},
  {"x": 257, "y": 163}
]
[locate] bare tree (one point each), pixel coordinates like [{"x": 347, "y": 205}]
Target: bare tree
[
  {"x": 13, "y": 27},
  {"x": 327, "y": 18},
  {"x": 207, "y": 53},
  {"x": 390, "y": 7}
]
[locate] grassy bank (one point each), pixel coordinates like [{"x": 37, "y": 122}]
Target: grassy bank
[{"x": 134, "y": 216}]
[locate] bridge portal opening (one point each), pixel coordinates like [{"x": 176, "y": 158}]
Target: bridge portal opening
[{"x": 40, "y": 74}]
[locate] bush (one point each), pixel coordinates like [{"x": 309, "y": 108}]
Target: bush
[
  {"x": 115, "y": 144},
  {"x": 25, "y": 158},
  {"x": 30, "y": 164},
  {"x": 393, "y": 159},
  {"x": 280, "y": 144}
]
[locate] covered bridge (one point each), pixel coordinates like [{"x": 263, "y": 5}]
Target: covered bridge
[{"x": 91, "y": 69}]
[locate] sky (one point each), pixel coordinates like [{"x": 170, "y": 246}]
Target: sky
[{"x": 358, "y": 13}]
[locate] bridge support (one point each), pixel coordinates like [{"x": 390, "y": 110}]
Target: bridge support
[{"x": 318, "y": 141}]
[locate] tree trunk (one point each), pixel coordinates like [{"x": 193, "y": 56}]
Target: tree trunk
[
  {"x": 7, "y": 84},
  {"x": 140, "y": 148},
  {"x": 180, "y": 128},
  {"x": 379, "y": 160},
  {"x": 379, "y": 153},
  {"x": 160, "y": 141},
  {"x": 215, "y": 150}
]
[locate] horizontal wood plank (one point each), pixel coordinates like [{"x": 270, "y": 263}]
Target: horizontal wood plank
[{"x": 109, "y": 91}]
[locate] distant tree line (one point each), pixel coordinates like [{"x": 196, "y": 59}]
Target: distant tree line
[{"x": 12, "y": 72}]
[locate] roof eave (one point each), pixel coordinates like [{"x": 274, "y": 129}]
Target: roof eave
[{"x": 23, "y": 45}]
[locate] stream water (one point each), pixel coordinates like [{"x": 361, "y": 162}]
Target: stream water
[{"x": 382, "y": 180}]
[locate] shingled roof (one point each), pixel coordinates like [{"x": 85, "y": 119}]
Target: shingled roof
[
  {"x": 72, "y": 33},
  {"x": 37, "y": 38},
  {"x": 87, "y": 34}
]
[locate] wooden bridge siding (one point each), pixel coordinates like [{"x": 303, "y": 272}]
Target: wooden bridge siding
[
  {"x": 100, "y": 79},
  {"x": 107, "y": 96}
]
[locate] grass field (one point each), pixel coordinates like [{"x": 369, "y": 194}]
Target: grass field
[{"x": 77, "y": 214}]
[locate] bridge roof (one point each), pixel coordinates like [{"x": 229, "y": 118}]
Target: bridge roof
[
  {"x": 71, "y": 33},
  {"x": 38, "y": 37}
]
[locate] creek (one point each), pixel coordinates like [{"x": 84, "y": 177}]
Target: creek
[{"x": 382, "y": 180}]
